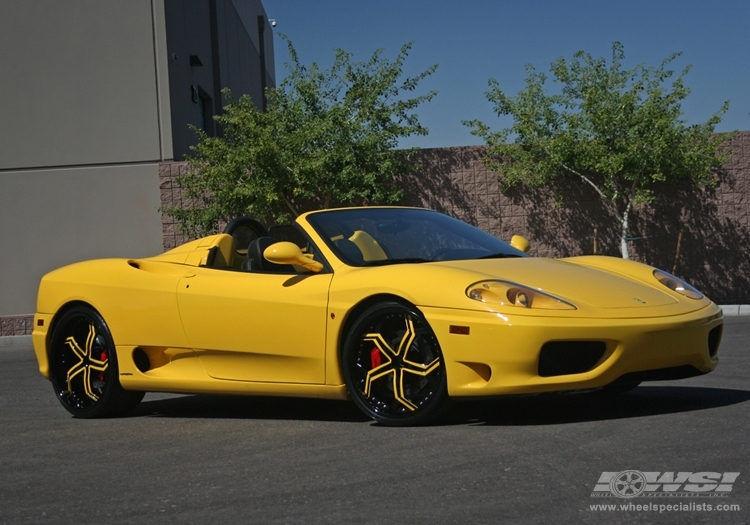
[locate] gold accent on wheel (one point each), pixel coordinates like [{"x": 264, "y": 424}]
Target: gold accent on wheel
[
  {"x": 86, "y": 362},
  {"x": 397, "y": 365}
]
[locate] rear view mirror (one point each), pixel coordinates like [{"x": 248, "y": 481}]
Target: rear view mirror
[
  {"x": 520, "y": 243},
  {"x": 289, "y": 253}
]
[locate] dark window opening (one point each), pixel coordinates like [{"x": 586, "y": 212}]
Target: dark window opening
[{"x": 205, "y": 114}]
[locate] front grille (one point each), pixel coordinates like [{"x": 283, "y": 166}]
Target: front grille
[{"x": 559, "y": 358}]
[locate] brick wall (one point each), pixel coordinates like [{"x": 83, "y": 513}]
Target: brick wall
[
  {"x": 171, "y": 195},
  {"x": 713, "y": 225},
  {"x": 16, "y": 325}
]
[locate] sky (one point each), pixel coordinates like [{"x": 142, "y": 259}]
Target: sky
[{"x": 475, "y": 40}]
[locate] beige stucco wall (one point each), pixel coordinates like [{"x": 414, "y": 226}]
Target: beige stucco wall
[
  {"x": 83, "y": 82},
  {"x": 86, "y": 120},
  {"x": 49, "y": 218}
]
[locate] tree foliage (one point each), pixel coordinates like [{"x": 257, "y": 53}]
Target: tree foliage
[
  {"x": 327, "y": 138},
  {"x": 617, "y": 130}
]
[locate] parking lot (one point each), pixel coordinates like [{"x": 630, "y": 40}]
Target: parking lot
[{"x": 202, "y": 459}]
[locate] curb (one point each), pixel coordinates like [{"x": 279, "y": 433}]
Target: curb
[{"x": 735, "y": 309}]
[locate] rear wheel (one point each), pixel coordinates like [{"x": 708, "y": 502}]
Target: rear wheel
[
  {"x": 83, "y": 367},
  {"x": 393, "y": 367}
]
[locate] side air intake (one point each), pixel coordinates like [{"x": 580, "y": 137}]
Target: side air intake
[{"x": 559, "y": 358}]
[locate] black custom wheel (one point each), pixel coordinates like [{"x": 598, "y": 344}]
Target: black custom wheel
[
  {"x": 83, "y": 367},
  {"x": 393, "y": 367}
]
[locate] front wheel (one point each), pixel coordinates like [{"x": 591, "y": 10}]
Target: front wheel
[
  {"x": 83, "y": 367},
  {"x": 393, "y": 367}
]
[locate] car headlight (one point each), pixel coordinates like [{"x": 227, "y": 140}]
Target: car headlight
[
  {"x": 677, "y": 285},
  {"x": 507, "y": 293}
]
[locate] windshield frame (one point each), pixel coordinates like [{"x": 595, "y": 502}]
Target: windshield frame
[{"x": 318, "y": 221}]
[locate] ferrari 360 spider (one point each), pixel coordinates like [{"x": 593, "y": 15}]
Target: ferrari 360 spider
[{"x": 398, "y": 309}]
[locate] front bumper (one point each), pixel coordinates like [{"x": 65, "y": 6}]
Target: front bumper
[
  {"x": 39, "y": 340},
  {"x": 500, "y": 353}
]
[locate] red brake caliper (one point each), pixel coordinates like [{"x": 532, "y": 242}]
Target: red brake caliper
[
  {"x": 375, "y": 358},
  {"x": 102, "y": 357}
]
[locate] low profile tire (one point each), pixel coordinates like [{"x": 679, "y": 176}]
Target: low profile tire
[
  {"x": 83, "y": 367},
  {"x": 393, "y": 367}
]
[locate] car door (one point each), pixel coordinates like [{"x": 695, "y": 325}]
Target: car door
[{"x": 257, "y": 326}]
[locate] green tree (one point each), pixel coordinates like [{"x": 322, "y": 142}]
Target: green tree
[
  {"x": 327, "y": 138},
  {"x": 617, "y": 130}
]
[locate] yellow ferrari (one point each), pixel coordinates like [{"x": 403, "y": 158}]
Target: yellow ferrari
[{"x": 398, "y": 309}]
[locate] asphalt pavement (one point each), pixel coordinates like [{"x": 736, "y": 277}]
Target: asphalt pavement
[{"x": 210, "y": 459}]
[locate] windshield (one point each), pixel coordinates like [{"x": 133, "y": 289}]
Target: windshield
[{"x": 378, "y": 236}]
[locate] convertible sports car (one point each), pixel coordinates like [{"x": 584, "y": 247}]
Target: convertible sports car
[{"x": 397, "y": 308}]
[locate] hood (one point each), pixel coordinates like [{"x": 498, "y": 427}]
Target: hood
[
  {"x": 603, "y": 287},
  {"x": 578, "y": 284}
]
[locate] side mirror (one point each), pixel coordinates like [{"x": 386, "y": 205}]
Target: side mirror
[
  {"x": 520, "y": 243},
  {"x": 289, "y": 253}
]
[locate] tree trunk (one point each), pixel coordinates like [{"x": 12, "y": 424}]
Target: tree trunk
[{"x": 624, "y": 227}]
